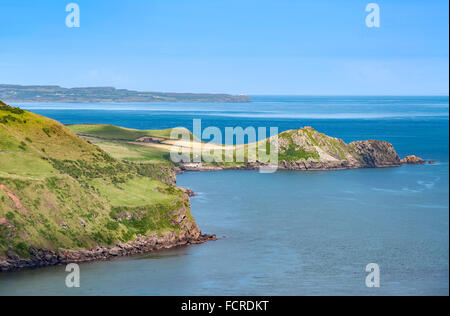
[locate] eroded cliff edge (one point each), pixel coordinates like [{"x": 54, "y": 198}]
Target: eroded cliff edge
[{"x": 187, "y": 234}]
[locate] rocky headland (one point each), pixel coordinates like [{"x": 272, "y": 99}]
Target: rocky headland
[
  {"x": 64, "y": 199},
  {"x": 307, "y": 149}
]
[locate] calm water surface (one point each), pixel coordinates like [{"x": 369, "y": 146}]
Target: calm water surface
[{"x": 288, "y": 233}]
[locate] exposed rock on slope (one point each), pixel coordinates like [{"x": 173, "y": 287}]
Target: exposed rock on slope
[{"x": 307, "y": 149}]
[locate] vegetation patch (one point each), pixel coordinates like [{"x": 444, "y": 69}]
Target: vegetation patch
[
  {"x": 7, "y": 108},
  {"x": 292, "y": 153}
]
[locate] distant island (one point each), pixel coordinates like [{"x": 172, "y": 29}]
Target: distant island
[{"x": 19, "y": 93}]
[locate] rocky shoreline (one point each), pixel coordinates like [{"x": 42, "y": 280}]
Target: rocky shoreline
[
  {"x": 292, "y": 166},
  {"x": 188, "y": 234},
  {"x": 374, "y": 154},
  {"x": 44, "y": 258}
]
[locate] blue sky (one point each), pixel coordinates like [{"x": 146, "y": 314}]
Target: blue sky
[{"x": 232, "y": 46}]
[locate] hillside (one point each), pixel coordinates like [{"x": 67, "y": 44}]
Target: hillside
[
  {"x": 58, "y": 191},
  {"x": 18, "y": 93}
]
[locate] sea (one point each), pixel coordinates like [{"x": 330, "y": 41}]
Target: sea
[{"x": 288, "y": 232}]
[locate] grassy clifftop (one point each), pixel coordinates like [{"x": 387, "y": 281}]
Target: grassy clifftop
[
  {"x": 58, "y": 190},
  {"x": 112, "y": 132}
]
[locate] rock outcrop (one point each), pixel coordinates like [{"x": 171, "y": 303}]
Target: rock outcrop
[
  {"x": 413, "y": 160},
  {"x": 187, "y": 191},
  {"x": 307, "y": 149},
  {"x": 376, "y": 154}
]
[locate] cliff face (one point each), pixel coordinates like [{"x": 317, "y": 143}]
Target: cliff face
[
  {"x": 307, "y": 149},
  {"x": 376, "y": 154}
]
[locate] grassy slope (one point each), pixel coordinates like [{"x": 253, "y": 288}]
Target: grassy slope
[
  {"x": 119, "y": 142},
  {"x": 116, "y": 133},
  {"x": 70, "y": 192}
]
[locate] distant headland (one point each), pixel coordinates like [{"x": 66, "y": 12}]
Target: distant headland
[{"x": 19, "y": 93}]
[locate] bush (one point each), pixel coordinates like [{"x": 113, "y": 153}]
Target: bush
[
  {"x": 22, "y": 249},
  {"x": 9, "y": 118},
  {"x": 4, "y": 107},
  {"x": 112, "y": 225},
  {"x": 46, "y": 131}
]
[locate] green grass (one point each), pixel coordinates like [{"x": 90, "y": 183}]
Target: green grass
[
  {"x": 135, "y": 192},
  {"x": 135, "y": 152},
  {"x": 24, "y": 165},
  {"x": 293, "y": 153},
  {"x": 112, "y": 132}
]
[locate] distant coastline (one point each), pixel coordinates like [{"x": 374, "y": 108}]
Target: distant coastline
[{"x": 19, "y": 93}]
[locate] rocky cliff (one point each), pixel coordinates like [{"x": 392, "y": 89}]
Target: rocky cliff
[{"x": 188, "y": 234}]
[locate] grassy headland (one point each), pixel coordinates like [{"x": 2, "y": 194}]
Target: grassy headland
[{"x": 58, "y": 190}]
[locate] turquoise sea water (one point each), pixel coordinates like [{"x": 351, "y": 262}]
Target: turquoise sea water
[{"x": 289, "y": 233}]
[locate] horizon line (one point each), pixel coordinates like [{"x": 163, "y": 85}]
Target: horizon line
[{"x": 231, "y": 93}]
